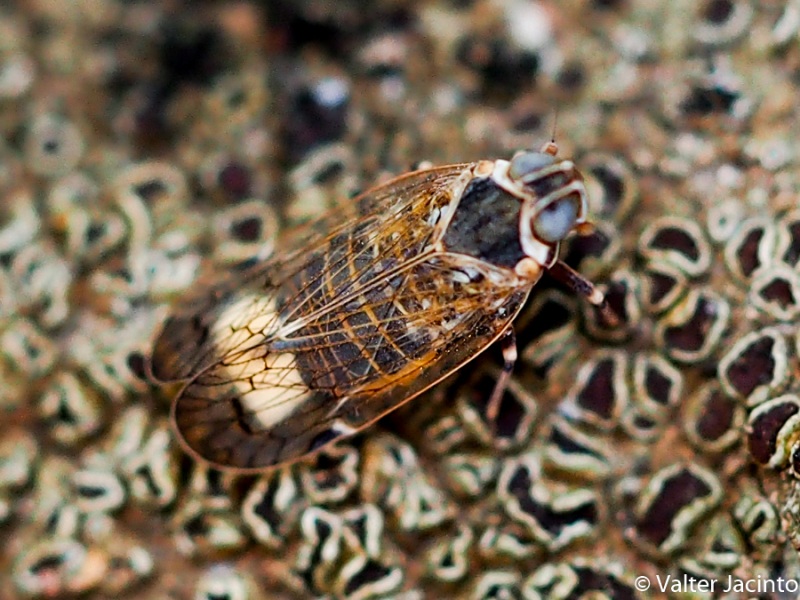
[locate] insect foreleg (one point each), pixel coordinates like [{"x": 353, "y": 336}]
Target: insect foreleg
[{"x": 583, "y": 287}]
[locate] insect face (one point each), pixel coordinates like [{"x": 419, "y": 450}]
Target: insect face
[
  {"x": 367, "y": 308},
  {"x": 554, "y": 201}
]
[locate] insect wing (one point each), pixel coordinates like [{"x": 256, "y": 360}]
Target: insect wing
[
  {"x": 313, "y": 347},
  {"x": 186, "y": 346},
  {"x": 381, "y": 201},
  {"x": 255, "y": 410},
  {"x": 191, "y": 337}
]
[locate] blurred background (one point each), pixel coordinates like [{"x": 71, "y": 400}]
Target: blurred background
[{"x": 145, "y": 143}]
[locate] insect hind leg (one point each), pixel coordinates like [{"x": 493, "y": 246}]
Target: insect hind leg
[{"x": 508, "y": 344}]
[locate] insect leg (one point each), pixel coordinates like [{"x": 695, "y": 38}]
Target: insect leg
[
  {"x": 583, "y": 287},
  {"x": 508, "y": 345}
]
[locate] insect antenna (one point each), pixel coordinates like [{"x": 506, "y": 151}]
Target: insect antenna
[{"x": 551, "y": 147}]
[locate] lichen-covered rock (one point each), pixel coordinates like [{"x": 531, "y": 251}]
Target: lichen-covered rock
[{"x": 146, "y": 145}]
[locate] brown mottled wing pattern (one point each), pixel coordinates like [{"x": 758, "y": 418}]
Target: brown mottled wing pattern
[
  {"x": 185, "y": 345},
  {"x": 359, "y": 324},
  {"x": 380, "y": 201}
]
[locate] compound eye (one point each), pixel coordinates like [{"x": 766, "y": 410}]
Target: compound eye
[
  {"x": 525, "y": 163},
  {"x": 554, "y": 222}
]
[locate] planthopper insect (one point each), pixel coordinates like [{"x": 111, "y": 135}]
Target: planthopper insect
[{"x": 366, "y": 309}]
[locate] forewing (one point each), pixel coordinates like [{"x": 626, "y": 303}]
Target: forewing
[
  {"x": 383, "y": 201},
  {"x": 254, "y": 410},
  {"x": 191, "y": 338}
]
